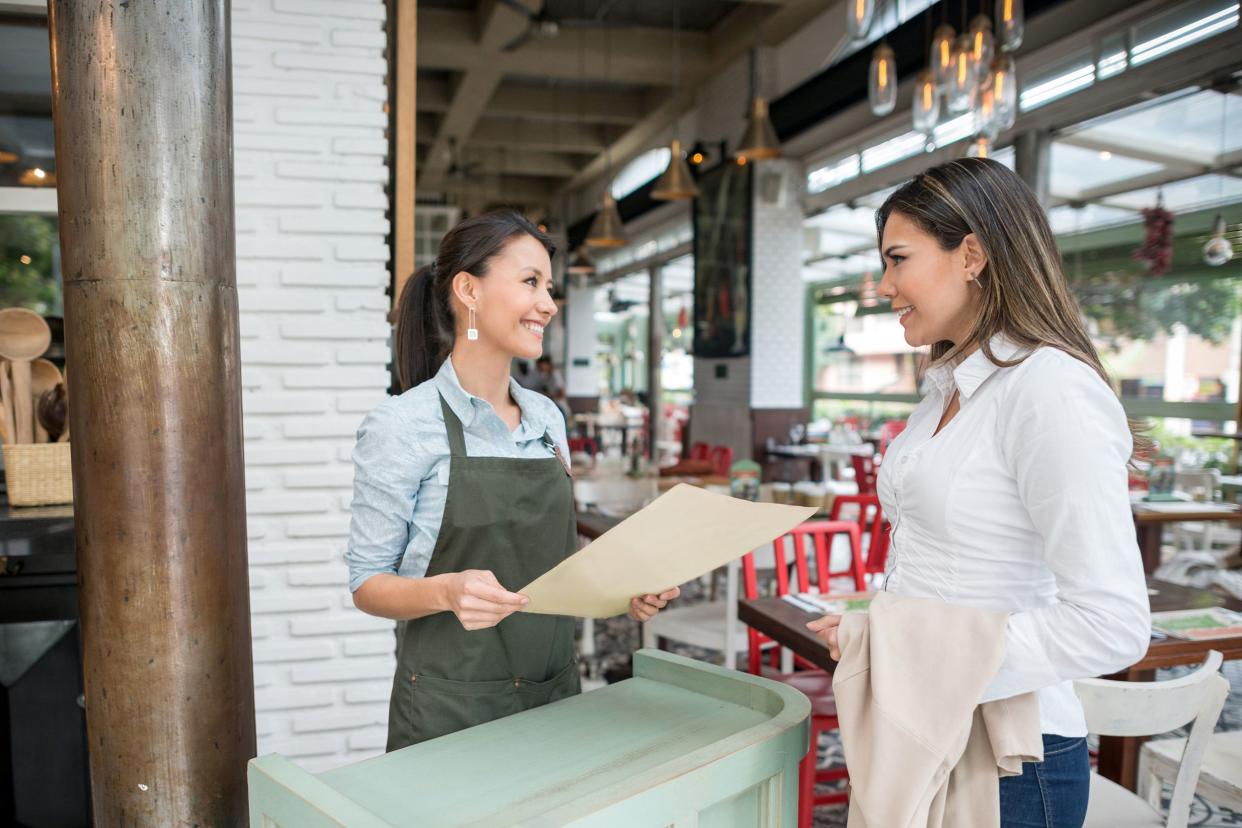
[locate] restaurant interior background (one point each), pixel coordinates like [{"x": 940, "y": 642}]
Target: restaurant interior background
[{"x": 745, "y": 318}]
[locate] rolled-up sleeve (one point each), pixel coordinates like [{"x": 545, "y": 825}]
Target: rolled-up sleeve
[
  {"x": 387, "y": 475},
  {"x": 1066, "y": 439}
]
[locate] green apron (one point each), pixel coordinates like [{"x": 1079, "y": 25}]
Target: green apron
[{"x": 515, "y": 517}]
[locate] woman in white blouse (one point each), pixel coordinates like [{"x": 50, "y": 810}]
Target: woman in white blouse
[{"x": 1008, "y": 488}]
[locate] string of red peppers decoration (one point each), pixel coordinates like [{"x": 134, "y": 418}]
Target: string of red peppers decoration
[{"x": 1157, "y": 249}]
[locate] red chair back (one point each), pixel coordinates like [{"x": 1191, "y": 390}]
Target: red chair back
[
  {"x": 820, "y": 534},
  {"x": 722, "y": 460},
  {"x": 584, "y": 444},
  {"x": 700, "y": 451},
  {"x": 871, "y": 525},
  {"x": 889, "y": 432},
  {"x": 865, "y": 469}
]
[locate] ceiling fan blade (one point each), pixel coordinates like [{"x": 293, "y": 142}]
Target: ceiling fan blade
[
  {"x": 519, "y": 41},
  {"x": 520, "y": 9}
]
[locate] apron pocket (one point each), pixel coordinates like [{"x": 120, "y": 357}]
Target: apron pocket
[
  {"x": 565, "y": 683},
  {"x": 443, "y": 706}
]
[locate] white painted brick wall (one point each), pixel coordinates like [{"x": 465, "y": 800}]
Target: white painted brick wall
[
  {"x": 310, "y": 152},
  {"x": 778, "y": 295}
]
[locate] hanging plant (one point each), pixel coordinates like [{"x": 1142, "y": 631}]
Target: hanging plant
[{"x": 1157, "y": 250}]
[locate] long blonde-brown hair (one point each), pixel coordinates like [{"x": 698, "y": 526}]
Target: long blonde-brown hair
[{"x": 1023, "y": 292}]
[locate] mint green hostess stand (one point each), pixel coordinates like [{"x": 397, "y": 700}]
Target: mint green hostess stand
[{"x": 681, "y": 744}]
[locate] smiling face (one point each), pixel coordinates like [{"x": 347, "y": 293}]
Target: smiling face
[
  {"x": 929, "y": 287},
  {"x": 513, "y": 303}
]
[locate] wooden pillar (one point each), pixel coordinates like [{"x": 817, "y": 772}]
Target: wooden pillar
[
  {"x": 142, "y": 97},
  {"x": 404, "y": 70}
]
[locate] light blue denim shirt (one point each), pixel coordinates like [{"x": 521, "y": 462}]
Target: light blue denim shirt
[{"x": 401, "y": 468}]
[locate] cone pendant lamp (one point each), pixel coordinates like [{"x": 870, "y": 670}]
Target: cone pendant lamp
[
  {"x": 759, "y": 141},
  {"x": 676, "y": 183},
  {"x": 581, "y": 262},
  {"x": 607, "y": 230}
]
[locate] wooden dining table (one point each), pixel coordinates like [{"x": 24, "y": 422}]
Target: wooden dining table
[
  {"x": 1118, "y": 757},
  {"x": 1151, "y": 519}
]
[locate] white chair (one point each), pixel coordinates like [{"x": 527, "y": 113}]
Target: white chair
[
  {"x": 1146, "y": 708},
  {"x": 1202, "y": 535},
  {"x": 712, "y": 625},
  {"x": 1220, "y": 777}
]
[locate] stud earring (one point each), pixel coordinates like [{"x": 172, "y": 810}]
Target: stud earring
[{"x": 472, "y": 333}]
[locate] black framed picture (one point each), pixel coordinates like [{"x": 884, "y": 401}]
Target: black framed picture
[{"x": 722, "y": 262}]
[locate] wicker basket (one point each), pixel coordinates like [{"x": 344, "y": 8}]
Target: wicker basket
[{"x": 38, "y": 474}]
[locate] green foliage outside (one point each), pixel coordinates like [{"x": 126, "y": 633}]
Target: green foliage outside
[{"x": 34, "y": 284}]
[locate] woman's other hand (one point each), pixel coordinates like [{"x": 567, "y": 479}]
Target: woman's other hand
[
  {"x": 645, "y": 607},
  {"x": 826, "y": 630}
]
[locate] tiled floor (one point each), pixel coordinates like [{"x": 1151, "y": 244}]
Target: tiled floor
[{"x": 617, "y": 638}]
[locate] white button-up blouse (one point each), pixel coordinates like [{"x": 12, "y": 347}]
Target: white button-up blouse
[{"x": 1021, "y": 504}]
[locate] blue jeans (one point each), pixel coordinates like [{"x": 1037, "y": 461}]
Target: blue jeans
[{"x": 1051, "y": 793}]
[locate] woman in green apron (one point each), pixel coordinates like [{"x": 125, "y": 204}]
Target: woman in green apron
[{"x": 462, "y": 491}]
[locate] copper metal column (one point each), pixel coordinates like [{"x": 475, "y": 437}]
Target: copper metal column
[{"x": 143, "y": 112}]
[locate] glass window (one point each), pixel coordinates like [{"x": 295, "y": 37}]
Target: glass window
[
  {"x": 638, "y": 172},
  {"x": 27, "y": 145},
  {"x": 857, "y": 350}
]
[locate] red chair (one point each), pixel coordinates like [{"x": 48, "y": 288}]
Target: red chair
[
  {"x": 583, "y": 444},
  {"x": 722, "y": 460},
  {"x": 889, "y": 432},
  {"x": 871, "y": 524},
  {"x": 865, "y": 469},
  {"x": 700, "y": 451},
  {"x": 816, "y": 684}
]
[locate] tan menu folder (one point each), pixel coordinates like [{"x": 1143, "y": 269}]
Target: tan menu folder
[{"x": 682, "y": 535}]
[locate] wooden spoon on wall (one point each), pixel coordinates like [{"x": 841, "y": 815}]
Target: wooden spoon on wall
[
  {"x": 44, "y": 376},
  {"x": 23, "y": 336},
  {"x": 6, "y": 404}
]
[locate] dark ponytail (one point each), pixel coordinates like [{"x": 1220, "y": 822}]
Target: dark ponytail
[{"x": 426, "y": 326}]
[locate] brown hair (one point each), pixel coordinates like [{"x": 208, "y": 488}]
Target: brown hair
[
  {"x": 1023, "y": 291},
  {"x": 426, "y": 325}
]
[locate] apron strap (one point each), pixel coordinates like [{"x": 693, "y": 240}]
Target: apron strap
[{"x": 452, "y": 425}]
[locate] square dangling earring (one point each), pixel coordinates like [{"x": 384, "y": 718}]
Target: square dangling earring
[{"x": 472, "y": 333}]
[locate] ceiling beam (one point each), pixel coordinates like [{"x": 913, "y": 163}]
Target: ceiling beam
[
  {"x": 546, "y": 103},
  {"x": 542, "y": 102},
  {"x": 638, "y": 55},
  {"x": 518, "y": 162},
  {"x": 1130, "y": 151},
  {"x": 434, "y": 94},
  {"x": 730, "y": 39},
  {"x": 497, "y": 25},
  {"x": 586, "y": 139}
]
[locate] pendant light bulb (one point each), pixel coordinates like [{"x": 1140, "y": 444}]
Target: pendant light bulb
[
  {"x": 986, "y": 119},
  {"x": 980, "y": 147},
  {"x": 1219, "y": 250},
  {"x": 858, "y": 19},
  {"x": 675, "y": 183},
  {"x": 942, "y": 54},
  {"x": 882, "y": 81},
  {"x": 960, "y": 92},
  {"x": 1010, "y": 24},
  {"x": 1003, "y": 80},
  {"x": 981, "y": 44},
  {"x": 926, "y": 108}
]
